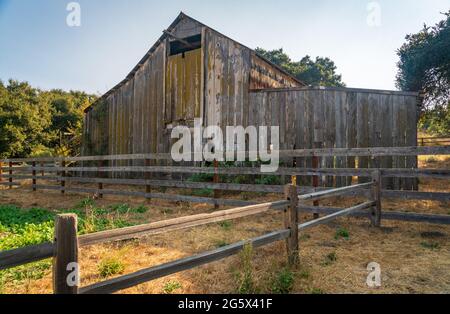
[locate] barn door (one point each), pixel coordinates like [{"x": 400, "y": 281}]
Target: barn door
[{"x": 183, "y": 80}]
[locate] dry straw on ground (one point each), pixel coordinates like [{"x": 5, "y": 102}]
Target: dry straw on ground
[{"x": 408, "y": 265}]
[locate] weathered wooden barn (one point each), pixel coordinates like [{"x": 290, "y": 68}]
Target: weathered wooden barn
[{"x": 194, "y": 71}]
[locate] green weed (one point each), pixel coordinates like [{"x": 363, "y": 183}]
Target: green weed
[
  {"x": 110, "y": 266},
  {"x": 341, "y": 233},
  {"x": 283, "y": 282},
  {"x": 171, "y": 286}
]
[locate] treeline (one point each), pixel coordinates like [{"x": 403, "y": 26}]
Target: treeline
[
  {"x": 35, "y": 122},
  {"x": 425, "y": 66},
  {"x": 316, "y": 72}
]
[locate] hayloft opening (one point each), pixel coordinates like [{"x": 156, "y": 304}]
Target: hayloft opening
[
  {"x": 185, "y": 44},
  {"x": 183, "y": 80}
]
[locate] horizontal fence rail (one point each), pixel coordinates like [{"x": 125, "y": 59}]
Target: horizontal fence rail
[
  {"x": 324, "y": 152},
  {"x": 290, "y": 206},
  {"x": 387, "y": 172},
  {"x": 152, "y": 273},
  {"x": 67, "y": 175}
]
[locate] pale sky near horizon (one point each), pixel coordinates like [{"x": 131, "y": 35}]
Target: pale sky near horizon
[{"x": 36, "y": 44}]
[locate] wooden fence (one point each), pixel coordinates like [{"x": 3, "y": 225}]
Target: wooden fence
[
  {"x": 433, "y": 141},
  {"x": 65, "y": 248},
  {"x": 66, "y": 173}
]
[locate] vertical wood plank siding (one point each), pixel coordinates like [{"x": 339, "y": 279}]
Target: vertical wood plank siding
[
  {"x": 342, "y": 119},
  {"x": 228, "y": 84}
]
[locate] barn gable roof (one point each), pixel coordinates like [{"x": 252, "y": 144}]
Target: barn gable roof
[{"x": 173, "y": 25}]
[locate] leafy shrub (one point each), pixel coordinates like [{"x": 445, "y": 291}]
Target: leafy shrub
[
  {"x": 226, "y": 225},
  {"x": 283, "y": 282},
  {"x": 221, "y": 243},
  {"x": 110, "y": 266},
  {"x": 201, "y": 177},
  {"x": 141, "y": 209},
  {"x": 268, "y": 180},
  {"x": 341, "y": 233}
]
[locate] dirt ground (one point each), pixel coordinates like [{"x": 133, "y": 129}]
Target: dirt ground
[{"x": 414, "y": 257}]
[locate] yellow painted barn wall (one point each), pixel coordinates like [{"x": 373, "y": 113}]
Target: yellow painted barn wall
[{"x": 183, "y": 86}]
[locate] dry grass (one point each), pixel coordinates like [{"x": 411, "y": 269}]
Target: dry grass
[{"x": 408, "y": 263}]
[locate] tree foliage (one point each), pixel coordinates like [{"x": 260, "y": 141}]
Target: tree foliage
[
  {"x": 318, "y": 72},
  {"x": 425, "y": 66},
  {"x": 32, "y": 121}
]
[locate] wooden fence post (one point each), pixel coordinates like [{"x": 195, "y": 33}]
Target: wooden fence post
[
  {"x": 34, "y": 176},
  {"x": 10, "y": 175},
  {"x": 375, "y": 213},
  {"x": 315, "y": 183},
  {"x": 216, "y": 180},
  {"x": 42, "y": 171},
  {"x": 65, "y": 256},
  {"x": 148, "y": 189},
  {"x": 63, "y": 174},
  {"x": 291, "y": 223},
  {"x": 100, "y": 175},
  {"x": 1, "y": 171}
]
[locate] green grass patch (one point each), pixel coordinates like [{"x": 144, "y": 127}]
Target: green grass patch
[
  {"x": 24, "y": 227},
  {"x": 171, "y": 286},
  {"x": 282, "y": 282},
  {"x": 221, "y": 243},
  {"x": 226, "y": 225},
  {"x": 316, "y": 291},
  {"x": 110, "y": 266},
  {"x": 245, "y": 280},
  {"x": 203, "y": 192},
  {"x": 430, "y": 245},
  {"x": 342, "y": 233}
]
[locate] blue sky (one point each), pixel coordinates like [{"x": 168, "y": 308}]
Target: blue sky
[{"x": 36, "y": 44}]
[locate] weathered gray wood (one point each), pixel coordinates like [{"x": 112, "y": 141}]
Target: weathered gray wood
[
  {"x": 375, "y": 213},
  {"x": 338, "y": 89},
  {"x": 25, "y": 255},
  {"x": 65, "y": 258},
  {"x": 291, "y": 223},
  {"x": 179, "y": 223},
  {"x": 335, "y": 215},
  {"x": 333, "y": 192},
  {"x": 34, "y": 176},
  {"x": 387, "y": 215},
  {"x": 63, "y": 174},
  {"x": 362, "y": 138},
  {"x": 176, "y": 184},
  {"x": 372, "y": 151},
  {"x": 413, "y": 195},
  {"x": 368, "y": 151},
  {"x": 408, "y": 173},
  {"x": 10, "y": 185},
  {"x": 133, "y": 279},
  {"x": 169, "y": 197}
]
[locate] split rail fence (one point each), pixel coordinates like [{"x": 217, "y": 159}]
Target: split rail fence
[{"x": 65, "y": 249}]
